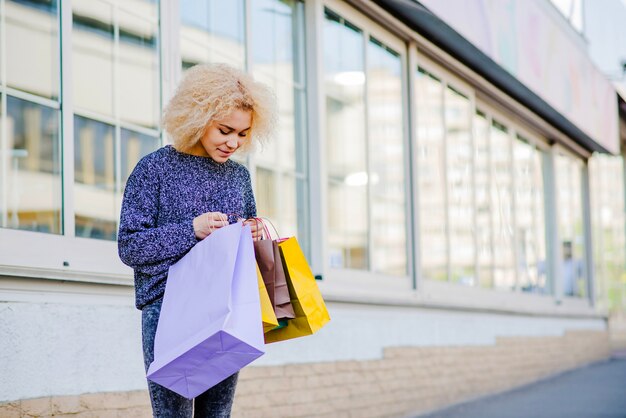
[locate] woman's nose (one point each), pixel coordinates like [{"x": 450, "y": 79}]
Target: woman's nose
[{"x": 232, "y": 143}]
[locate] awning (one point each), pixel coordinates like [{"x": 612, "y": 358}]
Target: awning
[{"x": 424, "y": 22}]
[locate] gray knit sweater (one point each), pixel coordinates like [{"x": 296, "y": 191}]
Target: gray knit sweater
[{"x": 165, "y": 191}]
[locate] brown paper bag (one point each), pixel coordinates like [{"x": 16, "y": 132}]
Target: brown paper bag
[{"x": 270, "y": 264}]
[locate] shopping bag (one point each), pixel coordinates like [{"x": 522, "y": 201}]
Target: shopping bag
[
  {"x": 267, "y": 310},
  {"x": 306, "y": 299},
  {"x": 268, "y": 259},
  {"x": 209, "y": 327}
]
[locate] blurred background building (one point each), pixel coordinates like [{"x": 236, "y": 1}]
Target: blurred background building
[{"x": 454, "y": 171}]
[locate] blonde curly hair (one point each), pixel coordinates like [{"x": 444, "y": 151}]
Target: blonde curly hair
[{"x": 209, "y": 92}]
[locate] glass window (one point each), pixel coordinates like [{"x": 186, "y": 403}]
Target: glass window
[
  {"x": 460, "y": 178},
  {"x": 134, "y": 146},
  {"x": 570, "y": 215},
  {"x": 346, "y": 157},
  {"x": 32, "y": 56},
  {"x": 483, "y": 184},
  {"x": 138, "y": 59},
  {"x": 606, "y": 175},
  {"x": 94, "y": 175},
  {"x": 364, "y": 150},
  {"x": 115, "y": 61},
  {"x": 212, "y": 31},
  {"x": 93, "y": 56},
  {"x": 386, "y": 172},
  {"x": 431, "y": 174},
  {"x": 529, "y": 215},
  {"x": 31, "y": 193},
  {"x": 31, "y": 183},
  {"x": 277, "y": 46},
  {"x": 116, "y": 95},
  {"x": 502, "y": 207}
]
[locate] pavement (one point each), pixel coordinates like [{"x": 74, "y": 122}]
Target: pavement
[{"x": 594, "y": 391}]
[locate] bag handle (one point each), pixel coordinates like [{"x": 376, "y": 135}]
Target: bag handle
[{"x": 266, "y": 230}]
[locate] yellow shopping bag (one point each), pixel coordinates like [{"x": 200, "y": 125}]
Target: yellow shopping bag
[
  {"x": 308, "y": 305},
  {"x": 267, "y": 311}
]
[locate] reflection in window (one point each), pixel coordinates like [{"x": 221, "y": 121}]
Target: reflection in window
[
  {"x": 482, "y": 173},
  {"x": 608, "y": 220},
  {"x": 431, "y": 176},
  {"x": 115, "y": 61},
  {"x": 32, "y": 187},
  {"x": 277, "y": 46},
  {"x": 138, "y": 70},
  {"x": 94, "y": 186},
  {"x": 134, "y": 146},
  {"x": 502, "y": 207},
  {"x": 345, "y": 143},
  {"x": 212, "y": 31},
  {"x": 386, "y": 171},
  {"x": 529, "y": 215},
  {"x": 93, "y": 56},
  {"x": 460, "y": 177},
  {"x": 570, "y": 215},
  {"x": 32, "y": 54}
]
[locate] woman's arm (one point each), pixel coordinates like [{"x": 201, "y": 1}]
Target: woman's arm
[
  {"x": 140, "y": 241},
  {"x": 249, "y": 204}
]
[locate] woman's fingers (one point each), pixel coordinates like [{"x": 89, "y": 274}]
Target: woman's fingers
[
  {"x": 216, "y": 220},
  {"x": 255, "y": 228}
]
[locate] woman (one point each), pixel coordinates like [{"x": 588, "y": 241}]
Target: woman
[{"x": 178, "y": 195}]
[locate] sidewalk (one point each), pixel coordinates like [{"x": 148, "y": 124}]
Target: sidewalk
[{"x": 595, "y": 391}]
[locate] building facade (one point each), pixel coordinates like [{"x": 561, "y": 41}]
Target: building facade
[{"x": 458, "y": 188}]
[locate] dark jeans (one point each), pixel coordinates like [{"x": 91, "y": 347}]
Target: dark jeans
[{"x": 214, "y": 403}]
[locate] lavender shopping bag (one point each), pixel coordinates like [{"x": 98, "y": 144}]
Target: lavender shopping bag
[{"x": 209, "y": 326}]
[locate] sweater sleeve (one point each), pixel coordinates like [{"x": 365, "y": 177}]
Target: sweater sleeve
[
  {"x": 248, "y": 196},
  {"x": 141, "y": 243}
]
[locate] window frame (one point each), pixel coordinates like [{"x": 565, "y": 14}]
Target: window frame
[
  {"x": 513, "y": 130},
  {"x": 447, "y": 79},
  {"x": 350, "y": 276},
  {"x": 65, "y": 256},
  {"x": 585, "y": 206}
]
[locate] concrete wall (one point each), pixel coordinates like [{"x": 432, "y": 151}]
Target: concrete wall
[
  {"x": 62, "y": 338},
  {"x": 404, "y": 381}
]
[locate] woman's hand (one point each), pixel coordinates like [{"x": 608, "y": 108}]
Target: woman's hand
[
  {"x": 256, "y": 227},
  {"x": 205, "y": 224}
]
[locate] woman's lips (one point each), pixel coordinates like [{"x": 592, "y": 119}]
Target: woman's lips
[{"x": 225, "y": 153}]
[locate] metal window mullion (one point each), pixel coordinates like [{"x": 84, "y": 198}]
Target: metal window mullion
[
  {"x": 250, "y": 159},
  {"x": 514, "y": 235},
  {"x": 588, "y": 256},
  {"x": 368, "y": 159},
  {"x": 444, "y": 86},
  {"x": 411, "y": 171},
  {"x": 247, "y": 7},
  {"x": 472, "y": 130},
  {"x": 4, "y": 132},
  {"x": 117, "y": 149},
  {"x": 491, "y": 186},
  {"x": 315, "y": 100},
  {"x": 535, "y": 213},
  {"x": 32, "y": 98},
  {"x": 247, "y": 65},
  {"x": 301, "y": 120},
  {"x": 169, "y": 37},
  {"x": 67, "y": 121},
  {"x": 553, "y": 269},
  {"x": 113, "y": 121}
]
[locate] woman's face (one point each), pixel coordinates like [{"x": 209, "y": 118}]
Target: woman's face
[{"x": 223, "y": 137}]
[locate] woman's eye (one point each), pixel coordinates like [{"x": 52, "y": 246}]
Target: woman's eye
[
  {"x": 224, "y": 132},
  {"x": 243, "y": 135}
]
